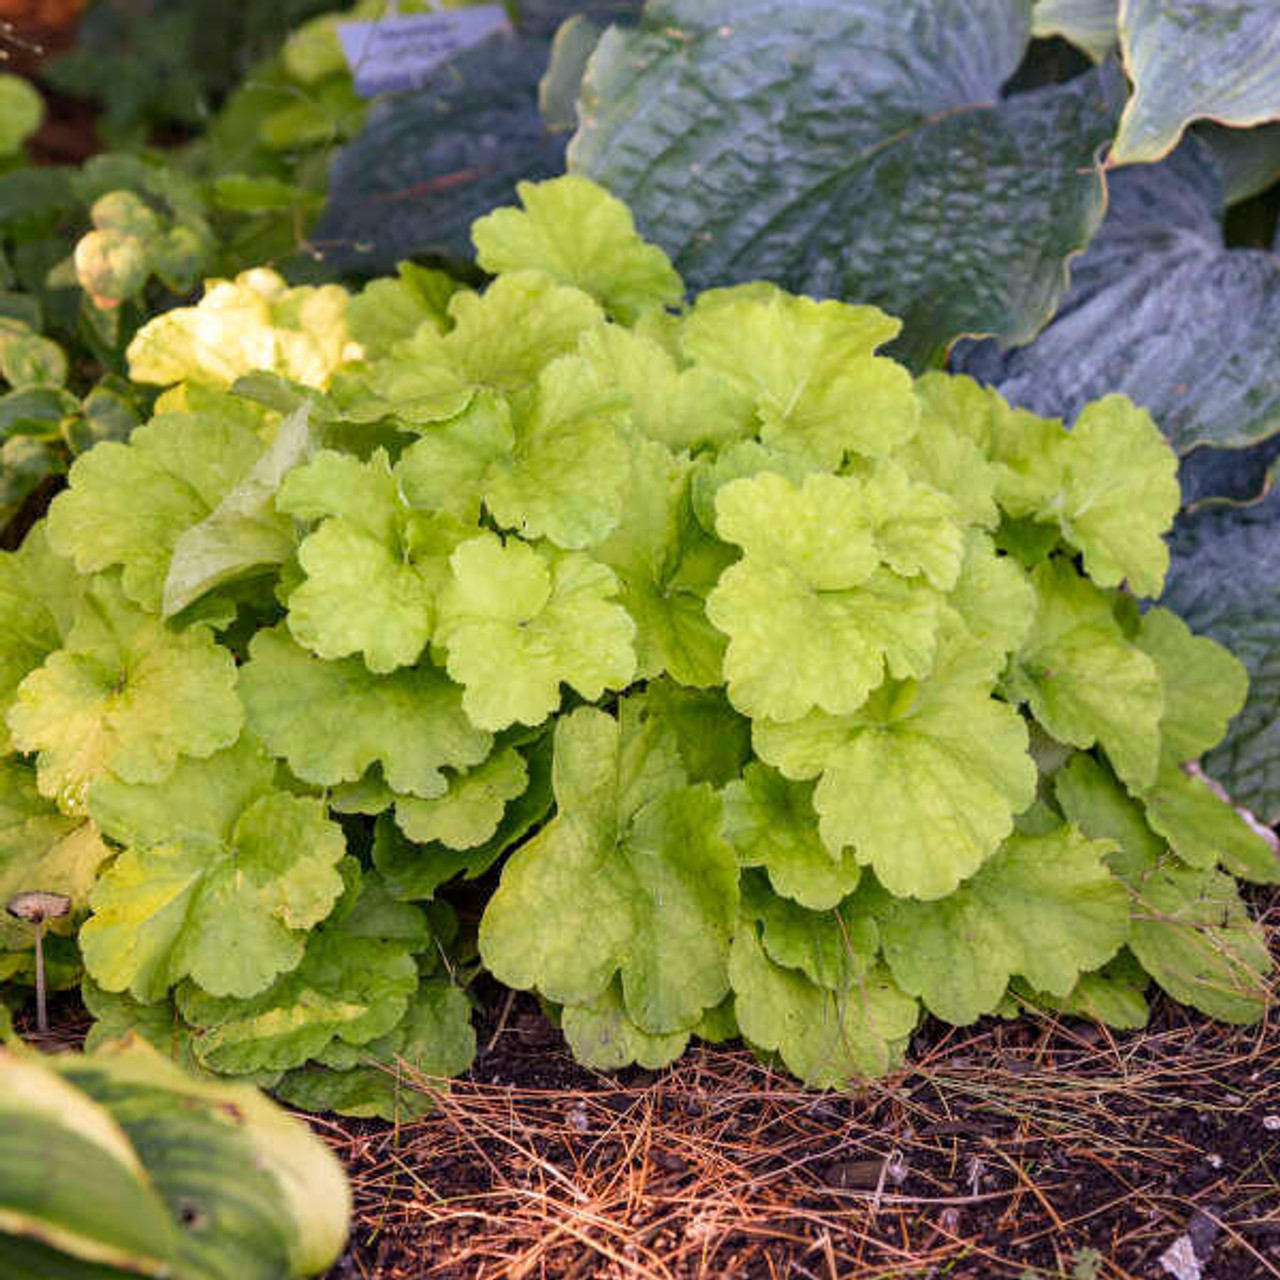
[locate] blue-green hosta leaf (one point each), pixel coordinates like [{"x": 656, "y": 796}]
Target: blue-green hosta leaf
[
  {"x": 126, "y": 696},
  {"x": 430, "y": 162},
  {"x": 923, "y": 781},
  {"x": 414, "y": 871},
  {"x": 1189, "y": 60},
  {"x": 771, "y": 823},
  {"x": 471, "y": 811},
  {"x": 332, "y": 720},
  {"x": 1090, "y": 24},
  {"x": 128, "y": 504},
  {"x": 221, "y": 880},
  {"x": 826, "y": 1037},
  {"x": 666, "y": 565},
  {"x": 630, "y": 877},
  {"x": 1225, "y": 582},
  {"x": 1046, "y": 907},
  {"x": 602, "y": 1036},
  {"x": 810, "y": 370},
  {"x": 580, "y": 235},
  {"x": 42, "y": 850},
  {"x": 1158, "y": 305},
  {"x": 717, "y": 125},
  {"x": 397, "y": 1075},
  {"x": 244, "y": 532},
  {"x": 517, "y": 620},
  {"x": 812, "y": 619},
  {"x": 1084, "y": 680},
  {"x": 39, "y": 592}
]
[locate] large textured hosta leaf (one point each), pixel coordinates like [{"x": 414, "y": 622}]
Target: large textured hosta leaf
[
  {"x": 1160, "y": 310},
  {"x": 1046, "y": 907},
  {"x": 1187, "y": 60},
  {"x": 431, "y": 161},
  {"x": 747, "y": 150},
  {"x": 1091, "y": 24},
  {"x": 221, "y": 879},
  {"x": 128, "y": 504},
  {"x": 517, "y": 621},
  {"x": 126, "y": 696},
  {"x": 631, "y": 876},
  {"x": 332, "y": 720},
  {"x": 923, "y": 782},
  {"x": 1225, "y": 582}
]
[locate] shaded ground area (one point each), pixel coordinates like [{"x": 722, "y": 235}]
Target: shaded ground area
[{"x": 1033, "y": 1148}]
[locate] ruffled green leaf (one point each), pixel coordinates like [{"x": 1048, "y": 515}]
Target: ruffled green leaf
[
  {"x": 771, "y": 823},
  {"x": 579, "y": 235},
  {"x": 946, "y": 762},
  {"x": 414, "y": 871},
  {"x": 470, "y": 812},
  {"x": 811, "y": 620},
  {"x": 39, "y": 593},
  {"x": 332, "y": 720},
  {"x": 683, "y": 408},
  {"x": 666, "y": 566},
  {"x": 433, "y": 1039},
  {"x": 1194, "y": 936},
  {"x": 833, "y": 948},
  {"x": 993, "y": 596},
  {"x": 630, "y": 877},
  {"x": 714, "y": 741},
  {"x": 517, "y": 620},
  {"x": 128, "y": 504},
  {"x": 563, "y": 479},
  {"x": 244, "y": 532},
  {"x": 825, "y": 1037},
  {"x": 602, "y": 1036},
  {"x": 809, "y": 366},
  {"x": 1204, "y": 684},
  {"x": 373, "y": 568},
  {"x": 1046, "y": 907},
  {"x": 221, "y": 879},
  {"x": 1204, "y": 830},
  {"x": 1113, "y": 995},
  {"x": 41, "y": 850},
  {"x": 1085, "y": 682},
  {"x": 125, "y": 696}
]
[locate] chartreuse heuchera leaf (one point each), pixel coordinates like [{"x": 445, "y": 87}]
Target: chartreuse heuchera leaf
[{"x": 724, "y": 677}]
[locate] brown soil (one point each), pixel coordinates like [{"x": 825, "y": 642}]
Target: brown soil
[{"x": 1034, "y": 1148}]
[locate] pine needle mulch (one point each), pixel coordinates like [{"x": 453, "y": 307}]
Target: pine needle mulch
[{"x": 1035, "y": 1148}]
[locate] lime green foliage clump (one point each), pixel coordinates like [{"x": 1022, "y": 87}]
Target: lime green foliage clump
[{"x": 789, "y": 695}]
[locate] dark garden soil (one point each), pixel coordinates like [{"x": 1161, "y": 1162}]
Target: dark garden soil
[{"x": 1033, "y": 1148}]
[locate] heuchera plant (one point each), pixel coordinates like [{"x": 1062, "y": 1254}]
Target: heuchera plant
[{"x": 776, "y": 692}]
